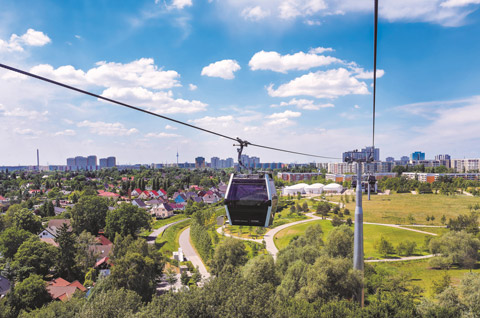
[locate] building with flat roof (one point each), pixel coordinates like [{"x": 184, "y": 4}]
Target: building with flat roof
[{"x": 417, "y": 155}]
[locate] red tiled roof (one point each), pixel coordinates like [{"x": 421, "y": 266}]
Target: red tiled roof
[
  {"x": 155, "y": 192},
  {"x": 1, "y": 198},
  {"x": 109, "y": 194},
  {"x": 49, "y": 240},
  {"x": 103, "y": 240},
  {"x": 163, "y": 191},
  {"x": 101, "y": 261},
  {"x": 78, "y": 285},
  {"x": 59, "y": 282}
]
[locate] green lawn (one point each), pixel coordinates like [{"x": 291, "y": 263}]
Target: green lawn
[
  {"x": 421, "y": 274},
  {"x": 395, "y": 208},
  {"x": 436, "y": 230},
  {"x": 372, "y": 234},
  {"x": 168, "y": 242},
  {"x": 159, "y": 223}
]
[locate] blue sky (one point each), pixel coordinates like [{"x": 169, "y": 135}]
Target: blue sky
[{"x": 293, "y": 74}]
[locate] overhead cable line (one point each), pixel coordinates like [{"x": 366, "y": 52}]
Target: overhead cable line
[
  {"x": 374, "y": 72},
  {"x": 13, "y": 69}
]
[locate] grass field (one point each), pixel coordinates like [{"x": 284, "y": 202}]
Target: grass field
[
  {"x": 395, "y": 208},
  {"x": 168, "y": 242},
  {"x": 372, "y": 233},
  {"x": 436, "y": 230},
  {"x": 421, "y": 274},
  {"x": 159, "y": 223}
]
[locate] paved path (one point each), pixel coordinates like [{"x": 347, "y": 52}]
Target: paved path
[
  {"x": 190, "y": 253},
  {"x": 219, "y": 230},
  {"x": 159, "y": 232},
  {"x": 408, "y": 258}
]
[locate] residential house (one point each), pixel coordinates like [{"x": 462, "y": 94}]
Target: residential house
[
  {"x": 60, "y": 289},
  {"x": 210, "y": 198},
  {"x": 163, "y": 210},
  {"x": 190, "y": 195},
  {"x": 178, "y": 206},
  {"x": 5, "y": 285},
  {"x": 144, "y": 195},
  {"x": 106, "y": 194},
  {"x": 154, "y": 194},
  {"x": 139, "y": 203},
  {"x": 155, "y": 201},
  {"x": 162, "y": 192},
  {"x": 58, "y": 210},
  {"x": 52, "y": 228},
  {"x": 136, "y": 192},
  {"x": 179, "y": 197}
]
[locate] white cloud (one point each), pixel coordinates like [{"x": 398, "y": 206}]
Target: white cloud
[
  {"x": 306, "y": 104},
  {"x": 223, "y": 69},
  {"x": 329, "y": 84},
  {"x": 21, "y": 112},
  {"x": 78, "y": 36},
  {"x": 273, "y": 61},
  {"x": 192, "y": 87},
  {"x": 356, "y": 107},
  {"x": 255, "y": 13},
  {"x": 285, "y": 114},
  {"x": 107, "y": 129},
  {"x": 66, "y": 74},
  {"x": 313, "y": 22},
  {"x": 361, "y": 74},
  {"x": 180, "y": 4},
  {"x": 320, "y": 50},
  {"x": 208, "y": 121},
  {"x": 458, "y": 3},
  {"x": 161, "y": 135},
  {"x": 66, "y": 132},
  {"x": 142, "y": 72},
  {"x": 170, "y": 127},
  {"x": 158, "y": 102},
  {"x": 26, "y": 131},
  {"x": 443, "y": 12},
  {"x": 30, "y": 38}
]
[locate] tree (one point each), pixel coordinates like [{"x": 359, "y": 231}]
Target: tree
[
  {"x": 384, "y": 247},
  {"x": 171, "y": 276},
  {"x": 85, "y": 256},
  {"x": 196, "y": 276},
  {"x": 138, "y": 265},
  {"x": 469, "y": 223},
  {"x": 184, "y": 278},
  {"x": 261, "y": 270},
  {"x": 29, "y": 294},
  {"x": 11, "y": 239},
  {"x": 340, "y": 242},
  {"x": 456, "y": 248},
  {"x": 406, "y": 248},
  {"x": 111, "y": 303},
  {"x": 34, "y": 257},
  {"x": 66, "y": 252},
  {"x": 440, "y": 285},
  {"x": 336, "y": 221},
  {"x": 443, "y": 219},
  {"x": 305, "y": 207},
  {"x": 47, "y": 209},
  {"x": 126, "y": 220},
  {"x": 323, "y": 208},
  {"x": 292, "y": 209},
  {"x": 89, "y": 214},
  {"x": 25, "y": 219},
  {"x": 229, "y": 254}
]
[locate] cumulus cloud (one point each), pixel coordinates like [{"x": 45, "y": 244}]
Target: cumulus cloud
[
  {"x": 255, "y": 13},
  {"x": 158, "y": 102},
  {"x": 30, "y": 38},
  {"x": 208, "y": 121},
  {"x": 180, "y": 4},
  {"x": 304, "y": 104},
  {"x": 273, "y": 61},
  {"x": 285, "y": 114},
  {"x": 192, "y": 87},
  {"x": 161, "y": 135},
  {"x": 443, "y": 12},
  {"x": 66, "y": 132},
  {"x": 321, "y": 84},
  {"x": 22, "y": 112},
  {"x": 320, "y": 50},
  {"x": 170, "y": 127},
  {"x": 66, "y": 74},
  {"x": 107, "y": 129},
  {"x": 223, "y": 69}
]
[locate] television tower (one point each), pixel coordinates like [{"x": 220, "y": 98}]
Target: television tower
[{"x": 177, "y": 157}]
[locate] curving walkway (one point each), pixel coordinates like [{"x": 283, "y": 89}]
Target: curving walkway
[
  {"x": 159, "y": 232},
  {"x": 191, "y": 254}
]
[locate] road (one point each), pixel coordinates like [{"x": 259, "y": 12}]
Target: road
[
  {"x": 158, "y": 232},
  {"x": 190, "y": 253}
]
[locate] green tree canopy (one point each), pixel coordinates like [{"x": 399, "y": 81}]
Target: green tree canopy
[
  {"x": 25, "y": 219},
  {"x": 34, "y": 257},
  {"x": 229, "y": 254},
  {"x": 11, "y": 239},
  {"x": 89, "y": 214},
  {"x": 126, "y": 220}
]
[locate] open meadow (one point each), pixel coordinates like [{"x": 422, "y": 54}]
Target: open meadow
[{"x": 396, "y": 208}]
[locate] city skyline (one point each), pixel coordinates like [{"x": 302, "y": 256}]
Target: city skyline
[{"x": 294, "y": 76}]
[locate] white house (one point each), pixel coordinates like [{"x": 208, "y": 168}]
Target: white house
[
  {"x": 333, "y": 188},
  {"x": 316, "y": 188}
]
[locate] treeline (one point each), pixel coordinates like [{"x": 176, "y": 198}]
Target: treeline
[
  {"x": 202, "y": 230},
  {"x": 443, "y": 185},
  {"x": 312, "y": 277}
]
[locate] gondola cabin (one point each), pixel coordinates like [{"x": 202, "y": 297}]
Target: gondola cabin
[{"x": 251, "y": 199}]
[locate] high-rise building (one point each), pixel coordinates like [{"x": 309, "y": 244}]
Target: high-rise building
[
  {"x": 404, "y": 160},
  {"x": 81, "y": 163},
  {"x": 199, "y": 162},
  {"x": 71, "y": 164},
  {"x": 92, "y": 163},
  {"x": 442, "y": 157},
  {"x": 390, "y": 159},
  {"x": 111, "y": 162},
  {"x": 229, "y": 163},
  {"x": 215, "y": 163},
  {"x": 103, "y": 163},
  {"x": 375, "y": 152},
  {"x": 417, "y": 155}
]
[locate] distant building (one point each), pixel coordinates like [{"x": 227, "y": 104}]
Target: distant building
[
  {"x": 71, "y": 164},
  {"x": 103, "y": 163},
  {"x": 390, "y": 159},
  {"x": 92, "y": 163},
  {"x": 404, "y": 160},
  {"x": 375, "y": 152},
  {"x": 215, "y": 163},
  {"x": 443, "y": 157},
  {"x": 111, "y": 162},
  {"x": 199, "y": 162},
  {"x": 417, "y": 155}
]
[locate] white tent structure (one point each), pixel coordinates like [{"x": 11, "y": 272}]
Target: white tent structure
[
  {"x": 295, "y": 189},
  {"x": 316, "y": 188},
  {"x": 333, "y": 188}
]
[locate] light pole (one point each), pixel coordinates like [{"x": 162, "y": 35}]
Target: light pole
[{"x": 358, "y": 256}]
